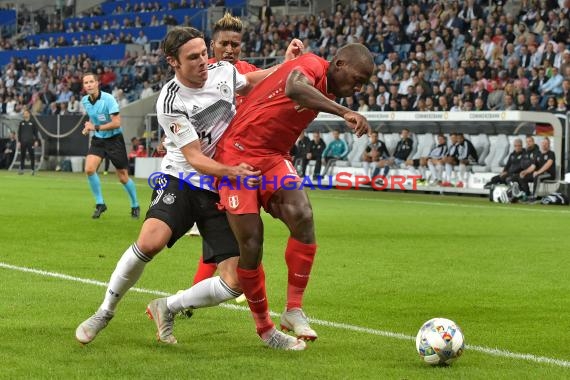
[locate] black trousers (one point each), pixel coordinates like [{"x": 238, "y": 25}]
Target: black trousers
[
  {"x": 510, "y": 177},
  {"x": 27, "y": 147},
  {"x": 526, "y": 180}
]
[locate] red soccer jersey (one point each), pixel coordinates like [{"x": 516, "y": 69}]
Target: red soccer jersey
[
  {"x": 242, "y": 67},
  {"x": 269, "y": 122}
]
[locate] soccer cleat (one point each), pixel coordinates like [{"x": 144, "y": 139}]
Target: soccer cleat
[
  {"x": 460, "y": 184},
  {"x": 295, "y": 320},
  {"x": 446, "y": 184},
  {"x": 241, "y": 299},
  {"x": 282, "y": 341},
  {"x": 135, "y": 212},
  {"x": 88, "y": 330},
  {"x": 164, "y": 320},
  {"x": 99, "y": 209}
]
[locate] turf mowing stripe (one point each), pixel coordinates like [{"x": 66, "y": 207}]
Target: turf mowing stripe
[{"x": 341, "y": 326}]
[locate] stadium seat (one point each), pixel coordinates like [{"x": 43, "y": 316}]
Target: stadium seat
[
  {"x": 424, "y": 144},
  {"x": 358, "y": 147},
  {"x": 391, "y": 140},
  {"x": 499, "y": 147},
  {"x": 482, "y": 145}
]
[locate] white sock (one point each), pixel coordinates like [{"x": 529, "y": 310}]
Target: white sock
[
  {"x": 423, "y": 172},
  {"x": 366, "y": 167},
  {"x": 126, "y": 274},
  {"x": 448, "y": 170},
  {"x": 432, "y": 170},
  {"x": 462, "y": 172},
  {"x": 209, "y": 292},
  {"x": 439, "y": 171}
]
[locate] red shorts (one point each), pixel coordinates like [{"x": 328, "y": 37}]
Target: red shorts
[{"x": 240, "y": 199}]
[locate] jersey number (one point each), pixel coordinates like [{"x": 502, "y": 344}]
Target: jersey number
[{"x": 204, "y": 135}]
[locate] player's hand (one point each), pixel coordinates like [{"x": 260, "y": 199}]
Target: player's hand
[
  {"x": 357, "y": 122},
  {"x": 245, "y": 172},
  {"x": 535, "y": 174},
  {"x": 36, "y": 144},
  {"x": 309, "y": 156},
  {"x": 294, "y": 50},
  {"x": 18, "y": 145},
  {"x": 88, "y": 127}
]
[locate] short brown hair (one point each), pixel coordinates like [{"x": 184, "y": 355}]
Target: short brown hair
[
  {"x": 88, "y": 74},
  {"x": 177, "y": 37}
]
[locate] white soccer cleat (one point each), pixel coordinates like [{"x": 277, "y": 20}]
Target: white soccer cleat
[
  {"x": 282, "y": 341},
  {"x": 164, "y": 320},
  {"x": 88, "y": 330},
  {"x": 295, "y": 320},
  {"x": 241, "y": 299}
]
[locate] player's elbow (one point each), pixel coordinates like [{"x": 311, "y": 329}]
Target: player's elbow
[{"x": 292, "y": 90}]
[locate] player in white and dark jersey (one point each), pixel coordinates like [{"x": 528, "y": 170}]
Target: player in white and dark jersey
[
  {"x": 194, "y": 109},
  {"x": 432, "y": 159}
]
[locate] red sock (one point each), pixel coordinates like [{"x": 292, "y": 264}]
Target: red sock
[
  {"x": 299, "y": 258},
  {"x": 253, "y": 285},
  {"x": 204, "y": 271}
]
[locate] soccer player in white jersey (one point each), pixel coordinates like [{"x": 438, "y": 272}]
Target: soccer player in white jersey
[{"x": 194, "y": 109}]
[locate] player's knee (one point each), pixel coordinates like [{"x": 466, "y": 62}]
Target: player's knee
[
  {"x": 149, "y": 247},
  {"x": 252, "y": 245},
  {"x": 231, "y": 280}
]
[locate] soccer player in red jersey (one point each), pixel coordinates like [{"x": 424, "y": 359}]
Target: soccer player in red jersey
[
  {"x": 261, "y": 134},
  {"x": 226, "y": 46}
]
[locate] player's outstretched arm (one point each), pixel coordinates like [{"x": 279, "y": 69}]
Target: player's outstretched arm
[
  {"x": 300, "y": 89},
  {"x": 294, "y": 50},
  {"x": 205, "y": 165}
]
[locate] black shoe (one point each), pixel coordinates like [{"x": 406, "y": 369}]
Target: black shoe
[
  {"x": 135, "y": 212},
  {"x": 99, "y": 209},
  {"x": 488, "y": 186}
]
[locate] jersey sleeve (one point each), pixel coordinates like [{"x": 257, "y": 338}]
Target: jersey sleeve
[
  {"x": 173, "y": 119},
  {"x": 240, "y": 81},
  {"x": 112, "y": 105},
  {"x": 311, "y": 67}
]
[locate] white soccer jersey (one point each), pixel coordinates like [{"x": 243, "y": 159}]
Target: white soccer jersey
[{"x": 188, "y": 114}]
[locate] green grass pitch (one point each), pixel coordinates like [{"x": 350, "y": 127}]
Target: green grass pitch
[{"x": 386, "y": 263}]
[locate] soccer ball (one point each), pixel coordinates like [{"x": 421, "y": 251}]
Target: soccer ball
[{"x": 440, "y": 341}]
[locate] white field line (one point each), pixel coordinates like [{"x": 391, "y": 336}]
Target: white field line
[{"x": 335, "y": 325}]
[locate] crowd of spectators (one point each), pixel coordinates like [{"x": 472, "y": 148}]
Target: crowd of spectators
[
  {"x": 433, "y": 56},
  {"x": 52, "y": 85},
  {"x": 430, "y": 56}
]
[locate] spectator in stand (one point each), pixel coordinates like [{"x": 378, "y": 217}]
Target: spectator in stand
[
  {"x": 147, "y": 90},
  {"x": 74, "y": 105},
  {"x": 107, "y": 79},
  {"x": 552, "y": 87}
]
